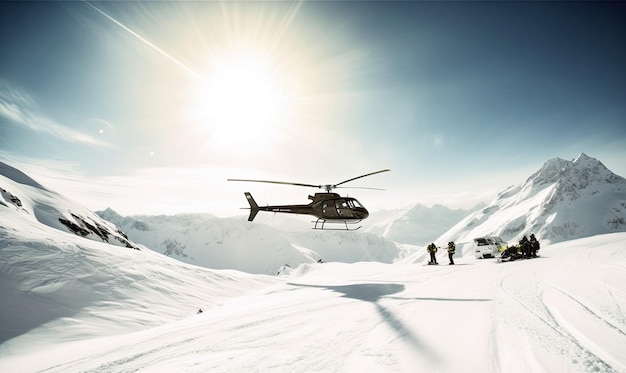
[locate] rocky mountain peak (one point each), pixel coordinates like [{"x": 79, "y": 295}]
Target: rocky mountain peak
[
  {"x": 550, "y": 172},
  {"x": 561, "y": 201},
  {"x": 579, "y": 173}
]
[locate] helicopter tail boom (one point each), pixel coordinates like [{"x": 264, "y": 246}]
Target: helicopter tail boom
[{"x": 254, "y": 208}]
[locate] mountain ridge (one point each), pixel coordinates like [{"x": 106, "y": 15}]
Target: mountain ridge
[
  {"x": 27, "y": 199},
  {"x": 418, "y": 225},
  {"x": 563, "y": 200}
]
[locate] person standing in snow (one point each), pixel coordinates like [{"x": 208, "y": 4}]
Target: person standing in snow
[
  {"x": 432, "y": 249},
  {"x": 451, "y": 251},
  {"x": 534, "y": 245}
]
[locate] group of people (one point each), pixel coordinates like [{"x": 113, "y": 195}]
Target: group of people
[
  {"x": 432, "y": 249},
  {"x": 527, "y": 248}
]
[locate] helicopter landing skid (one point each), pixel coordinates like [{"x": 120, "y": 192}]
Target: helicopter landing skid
[{"x": 323, "y": 222}]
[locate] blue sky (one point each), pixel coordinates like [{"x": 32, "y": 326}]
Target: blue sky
[{"x": 150, "y": 107}]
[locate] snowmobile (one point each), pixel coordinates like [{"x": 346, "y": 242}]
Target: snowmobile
[
  {"x": 510, "y": 254},
  {"x": 513, "y": 253}
]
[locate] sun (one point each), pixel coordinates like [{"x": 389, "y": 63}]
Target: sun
[
  {"x": 241, "y": 91},
  {"x": 240, "y": 102}
]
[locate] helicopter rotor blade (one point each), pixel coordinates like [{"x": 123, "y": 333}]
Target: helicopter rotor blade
[
  {"x": 360, "y": 188},
  {"x": 328, "y": 187},
  {"x": 277, "y": 182},
  {"x": 358, "y": 177}
]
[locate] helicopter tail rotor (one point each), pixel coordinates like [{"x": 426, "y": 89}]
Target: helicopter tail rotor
[{"x": 254, "y": 208}]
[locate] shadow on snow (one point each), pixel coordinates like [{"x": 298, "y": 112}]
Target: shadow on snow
[{"x": 373, "y": 292}]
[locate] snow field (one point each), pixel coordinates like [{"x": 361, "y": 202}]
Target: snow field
[{"x": 560, "y": 312}]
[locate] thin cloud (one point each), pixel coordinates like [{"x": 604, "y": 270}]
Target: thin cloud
[{"x": 19, "y": 108}]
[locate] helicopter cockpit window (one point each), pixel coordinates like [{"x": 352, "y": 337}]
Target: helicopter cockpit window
[{"x": 356, "y": 203}]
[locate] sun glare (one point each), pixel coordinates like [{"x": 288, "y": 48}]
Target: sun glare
[
  {"x": 239, "y": 103},
  {"x": 241, "y": 92}
]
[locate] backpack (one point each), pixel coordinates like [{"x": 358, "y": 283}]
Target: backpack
[{"x": 451, "y": 247}]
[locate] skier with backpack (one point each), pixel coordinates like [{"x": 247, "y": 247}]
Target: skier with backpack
[
  {"x": 432, "y": 249},
  {"x": 451, "y": 251}
]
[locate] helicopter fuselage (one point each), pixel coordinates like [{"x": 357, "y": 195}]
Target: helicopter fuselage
[{"x": 324, "y": 206}]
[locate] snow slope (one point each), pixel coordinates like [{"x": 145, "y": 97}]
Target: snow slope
[
  {"x": 562, "y": 312},
  {"x": 57, "y": 284},
  {"x": 23, "y": 197},
  {"x": 51, "y": 272}
]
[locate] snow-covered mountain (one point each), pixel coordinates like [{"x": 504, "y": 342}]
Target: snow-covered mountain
[
  {"x": 562, "y": 201},
  {"x": 60, "y": 262},
  {"x": 70, "y": 302},
  {"x": 212, "y": 242},
  {"x": 418, "y": 225},
  {"x": 21, "y": 197},
  {"x": 219, "y": 243}
]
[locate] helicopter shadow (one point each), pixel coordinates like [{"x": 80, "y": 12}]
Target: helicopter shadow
[
  {"x": 373, "y": 293},
  {"x": 369, "y": 292}
]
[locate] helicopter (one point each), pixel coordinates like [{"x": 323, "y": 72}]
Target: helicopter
[{"x": 327, "y": 207}]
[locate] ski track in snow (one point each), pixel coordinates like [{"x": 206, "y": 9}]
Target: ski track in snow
[
  {"x": 572, "y": 327},
  {"x": 548, "y": 334}
]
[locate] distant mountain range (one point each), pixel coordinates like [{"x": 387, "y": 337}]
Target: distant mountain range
[
  {"x": 234, "y": 243},
  {"x": 563, "y": 200},
  {"x": 419, "y": 225},
  {"x": 221, "y": 243}
]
